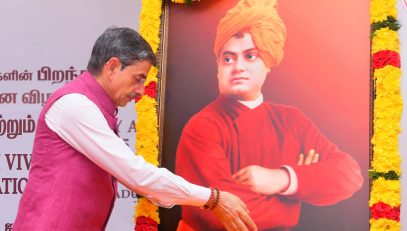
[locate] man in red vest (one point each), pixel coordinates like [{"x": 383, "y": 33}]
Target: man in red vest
[{"x": 77, "y": 154}]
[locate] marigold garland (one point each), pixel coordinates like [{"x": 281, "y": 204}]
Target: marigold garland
[
  {"x": 385, "y": 39},
  {"x": 381, "y": 9},
  {"x": 145, "y": 224},
  {"x": 383, "y": 210},
  {"x": 146, "y": 214},
  {"x": 184, "y": 1},
  {"x": 146, "y": 209},
  {"x": 390, "y": 22},
  {"x": 386, "y": 191},
  {"x": 383, "y": 58},
  {"x": 387, "y": 107},
  {"x": 146, "y": 127},
  {"x": 390, "y": 175},
  {"x": 383, "y": 224}
]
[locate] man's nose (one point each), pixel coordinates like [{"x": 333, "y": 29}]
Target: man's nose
[
  {"x": 140, "y": 90},
  {"x": 239, "y": 65}
]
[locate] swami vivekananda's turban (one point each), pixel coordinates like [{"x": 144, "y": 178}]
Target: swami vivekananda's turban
[{"x": 259, "y": 18}]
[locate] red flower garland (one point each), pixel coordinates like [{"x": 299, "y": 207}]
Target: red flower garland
[
  {"x": 145, "y": 224},
  {"x": 383, "y": 210},
  {"x": 387, "y": 57},
  {"x": 150, "y": 90}
]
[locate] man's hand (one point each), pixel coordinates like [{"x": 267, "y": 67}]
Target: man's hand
[
  {"x": 311, "y": 158},
  {"x": 263, "y": 180},
  {"x": 271, "y": 181},
  {"x": 233, "y": 213}
]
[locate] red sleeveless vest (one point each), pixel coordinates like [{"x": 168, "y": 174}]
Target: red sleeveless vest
[{"x": 65, "y": 190}]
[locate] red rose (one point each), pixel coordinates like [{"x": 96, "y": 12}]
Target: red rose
[
  {"x": 383, "y": 210},
  {"x": 387, "y": 57},
  {"x": 145, "y": 224},
  {"x": 151, "y": 89},
  {"x": 137, "y": 98}
]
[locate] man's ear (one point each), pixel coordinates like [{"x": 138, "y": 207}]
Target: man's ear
[
  {"x": 268, "y": 69},
  {"x": 112, "y": 66}
]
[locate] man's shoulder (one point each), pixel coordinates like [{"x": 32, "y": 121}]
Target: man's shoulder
[
  {"x": 211, "y": 115},
  {"x": 284, "y": 110},
  {"x": 74, "y": 86},
  {"x": 209, "y": 111},
  {"x": 281, "y": 107}
]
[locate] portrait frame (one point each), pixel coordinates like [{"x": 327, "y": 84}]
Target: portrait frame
[{"x": 167, "y": 126}]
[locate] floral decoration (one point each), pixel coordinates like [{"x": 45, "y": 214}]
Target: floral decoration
[
  {"x": 385, "y": 191},
  {"x": 145, "y": 224},
  {"x": 146, "y": 214}
]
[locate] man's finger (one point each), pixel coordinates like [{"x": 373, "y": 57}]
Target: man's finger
[
  {"x": 230, "y": 224},
  {"x": 248, "y": 221},
  {"x": 315, "y": 158},
  {"x": 239, "y": 173},
  {"x": 243, "y": 205},
  {"x": 240, "y": 225},
  {"x": 309, "y": 157},
  {"x": 242, "y": 175},
  {"x": 244, "y": 179},
  {"x": 300, "y": 159}
]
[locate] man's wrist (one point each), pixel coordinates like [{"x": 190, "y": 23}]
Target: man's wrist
[
  {"x": 213, "y": 199},
  {"x": 287, "y": 181},
  {"x": 293, "y": 181}
]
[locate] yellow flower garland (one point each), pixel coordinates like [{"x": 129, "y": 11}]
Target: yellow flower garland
[
  {"x": 147, "y": 119},
  {"x": 147, "y": 209},
  {"x": 387, "y": 191},
  {"x": 380, "y": 9},
  {"x": 387, "y": 114},
  {"x": 385, "y": 39},
  {"x": 146, "y": 126},
  {"x": 387, "y": 110},
  {"x": 183, "y": 1},
  {"x": 384, "y": 224}
]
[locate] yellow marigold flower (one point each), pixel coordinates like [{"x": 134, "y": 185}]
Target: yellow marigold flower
[
  {"x": 383, "y": 224},
  {"x": 386, "y": 191},
  {"x": 382, "y": 74},
  {"x": 182, "y": 1},
  {"x": 152, "y": 75},
  {"x": 386, "y": 120},
  {"x": 380, "y": 9},
  {"x": 147, "y": 121},
  {"x": 385, "y": 39},
  {"x": 147, "y": 129},
  {"x": 150, "y": 21},
  {"x": 384, "y": 161},
  {"x": 146, "y": 208}
]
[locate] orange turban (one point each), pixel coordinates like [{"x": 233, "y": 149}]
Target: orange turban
[{"x": 261, "y": 20}]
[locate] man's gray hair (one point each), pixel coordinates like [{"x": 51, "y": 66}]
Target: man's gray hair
[{"x": 123, "y": 43}]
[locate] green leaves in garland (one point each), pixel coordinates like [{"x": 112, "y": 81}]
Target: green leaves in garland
[
  {"x": 390, "y": 175},
  {"x": 390, "y": 22}
]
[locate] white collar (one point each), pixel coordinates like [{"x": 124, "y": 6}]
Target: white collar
[{"x": 253, "y": 103}]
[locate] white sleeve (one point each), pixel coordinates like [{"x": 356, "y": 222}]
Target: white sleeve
[
  {"x": 293, "y": 186},
  {"x": 80, "y": 123}
]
